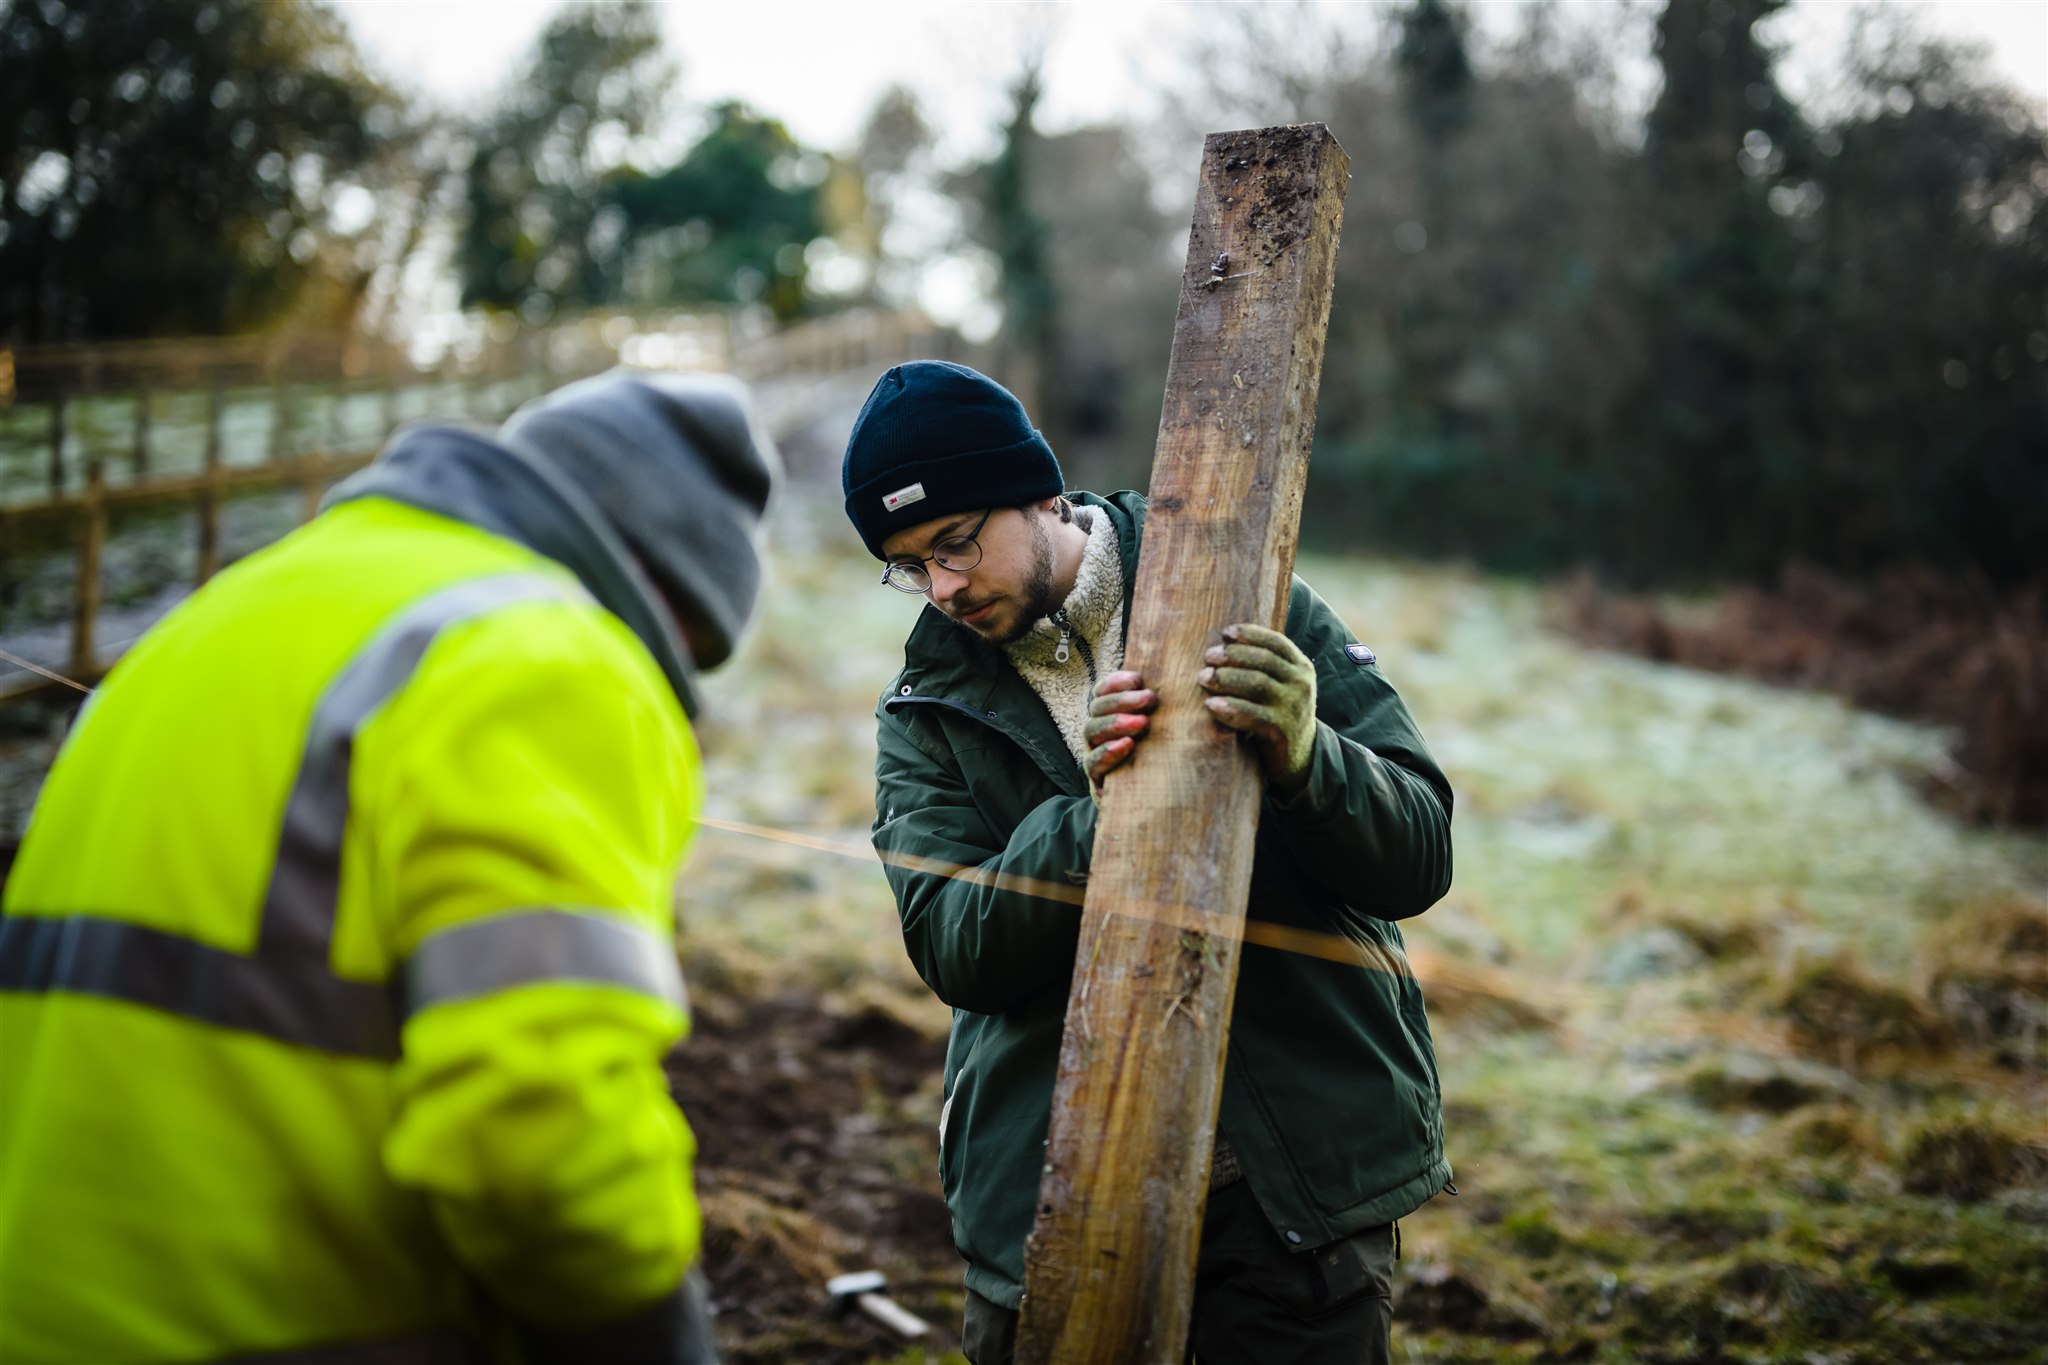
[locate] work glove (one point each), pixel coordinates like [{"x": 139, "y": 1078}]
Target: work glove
[{"x": 1262, "y": 686}]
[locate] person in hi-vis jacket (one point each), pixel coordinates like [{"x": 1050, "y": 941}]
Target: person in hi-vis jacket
[{"x": 337, "y": 965}]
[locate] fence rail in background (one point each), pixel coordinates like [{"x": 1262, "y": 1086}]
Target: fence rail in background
[{"x": 87, "y": 430}]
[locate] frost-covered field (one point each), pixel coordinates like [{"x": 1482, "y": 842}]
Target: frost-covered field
[{"x": 1745, "y": 1047}]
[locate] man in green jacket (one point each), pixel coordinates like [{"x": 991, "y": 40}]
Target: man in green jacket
[
  {"x": 1010, "y": 706},
  {"x": 337, "y": 967}
]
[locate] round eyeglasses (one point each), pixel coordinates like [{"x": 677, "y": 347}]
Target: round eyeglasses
[{"x": 958, "y": 553}]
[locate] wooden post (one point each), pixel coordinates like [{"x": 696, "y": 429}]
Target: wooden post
[
  {"x": 337, "y": 416},
  {"x": 1109, "y": 1270},
  {"x": 392, "y": 384},
  {"x": 312, "y": 483},
  {"x": 280, "y": 400},
  {"x": 313, "y": 468},
  {"x": 85, "y": 602},
  {"x": 475, "y": 398},
  {"x": 139, "y": 462},
  {"x": 209, "y": 496},
  {"x": 57, "y": 401}
]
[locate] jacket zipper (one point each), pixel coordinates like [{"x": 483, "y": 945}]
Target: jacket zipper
[{"x": 1060, "y": 653}]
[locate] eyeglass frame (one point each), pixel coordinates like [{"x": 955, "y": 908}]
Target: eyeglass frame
[{"x": 938, "y": 550}]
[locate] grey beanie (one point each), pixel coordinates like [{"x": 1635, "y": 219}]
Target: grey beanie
[{"x": 681, "y": 468}]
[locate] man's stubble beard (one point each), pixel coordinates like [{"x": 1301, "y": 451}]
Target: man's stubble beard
[{"x": 1035, "y": 601}]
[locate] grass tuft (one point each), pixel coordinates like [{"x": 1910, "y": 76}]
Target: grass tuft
[{"x": 1839, "y": 1011}]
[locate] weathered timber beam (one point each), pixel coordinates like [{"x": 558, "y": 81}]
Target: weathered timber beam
[{"x": 1110, "y": 1266}]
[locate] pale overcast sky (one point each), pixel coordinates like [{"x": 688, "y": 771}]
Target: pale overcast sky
[{"x": 819, "y": 65}]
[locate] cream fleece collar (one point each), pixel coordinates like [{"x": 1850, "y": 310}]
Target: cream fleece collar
[{"x": 1090, "y": 628}]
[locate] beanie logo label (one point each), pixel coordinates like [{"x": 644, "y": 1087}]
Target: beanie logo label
[{"x": 903, "y": 497}]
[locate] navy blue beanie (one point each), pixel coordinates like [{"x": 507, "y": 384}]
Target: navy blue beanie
[{"x": 936, "y": 438}]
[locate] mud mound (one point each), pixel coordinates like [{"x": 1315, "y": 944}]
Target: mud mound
[
  {"x": 1969, "y": 1159},
  {"x": 1992, "y": 984},
  {"x": 1433, "y": 1295},
  {"x": 817, "y": 1154},
  {"x": 1841, "y": 1013}
]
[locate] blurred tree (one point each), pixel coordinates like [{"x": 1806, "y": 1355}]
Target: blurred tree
[
  {"x": 1695, "y": 348},
  {"x": 396, "y": 215},
  {"x": 1481, "y": 319},
  {"x": 172, "y": 167},
  {"x": 1718, "y": 88},
  {"x": 1436, "y": 324},
  {"x": 1436, "y": 76},
  {"x": 1110, "y": 250},
  {"x": 892, "y": 161},
  {"x": 541, "y": 231},
  {"x": 1725, "y": 419},
  {"x": 1271, "y": 63},
  {"x": 730, "y": 222},
  {"x": 1009, "y": 225},
  {"x": 1086, "y": 277},
  {"x": 1926, "y": 219}
]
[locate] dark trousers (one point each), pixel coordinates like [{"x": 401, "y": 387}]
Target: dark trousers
[{"x": 1256, "y": 1302}]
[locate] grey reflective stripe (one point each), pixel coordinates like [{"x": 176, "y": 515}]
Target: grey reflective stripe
[
  {"x": 533, "y": 947},
  {"x": 305, "y": 881},
  {"x": 287, "y": 990},
  {"x": 310, "y": 1006}
]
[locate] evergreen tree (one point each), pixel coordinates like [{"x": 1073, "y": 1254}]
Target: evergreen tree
[
  {"x": 1928, "y": 220},
  {"x": 540, "y": 232},
  {"x": 729, "y": 223},
  {"x": 1435, "y": 73},
  {"x": 1724, "y": 423},
  {"x": 163, "y": 167},
  {"x": 1011, "y": 227},
  {"x": 1437, "y": 323}
]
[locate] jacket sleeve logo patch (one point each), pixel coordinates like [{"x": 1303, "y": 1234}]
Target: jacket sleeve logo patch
[
  {"x": 1361, "y": 654},
  {"x": 903, "y": 497}
]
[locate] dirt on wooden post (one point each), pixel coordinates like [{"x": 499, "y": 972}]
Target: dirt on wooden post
[{"x": 1110, "y": 1266}]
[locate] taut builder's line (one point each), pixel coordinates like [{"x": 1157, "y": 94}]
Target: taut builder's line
[{"x": 1282, "y": 937}]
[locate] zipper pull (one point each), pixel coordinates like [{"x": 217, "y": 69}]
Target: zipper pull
[{"x": 1062, "y": 653}]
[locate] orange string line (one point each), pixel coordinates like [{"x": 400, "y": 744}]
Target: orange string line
[{"x": 1281, "y": 937}]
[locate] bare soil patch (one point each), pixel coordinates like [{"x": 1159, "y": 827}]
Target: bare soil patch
[{"x": 817, "y": 1154}]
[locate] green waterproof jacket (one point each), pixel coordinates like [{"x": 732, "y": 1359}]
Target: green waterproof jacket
[{"x": 1330, "y": 1095}]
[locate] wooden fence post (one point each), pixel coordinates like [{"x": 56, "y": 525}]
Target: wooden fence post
[
  {"x": 475, "y": 393},
  {"x": 57, "y": 402},
  {"x": 92, "y": 540},
  {"x": 337, "y": 414},
  {"x": 280, "y": 399},
  {"x": 210, "y": 493},
  {"x": 312, "y": 483},
  {"x": 392, "y": 387},
  {"x": 139, "y": 462},
  {"x": 1109, "y": 1270}
]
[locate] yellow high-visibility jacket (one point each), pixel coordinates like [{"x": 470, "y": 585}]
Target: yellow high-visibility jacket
[{"x": 337, "y": 966}]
